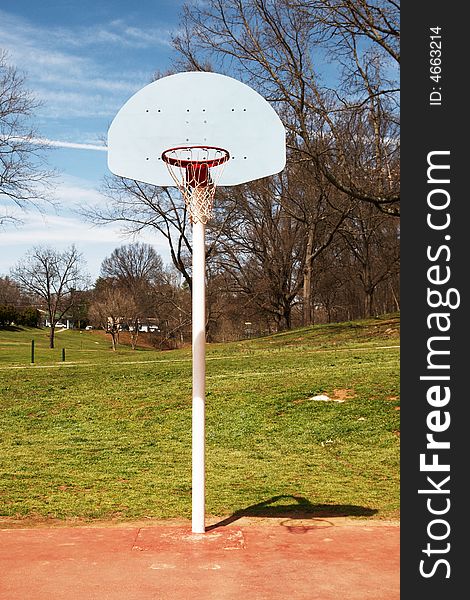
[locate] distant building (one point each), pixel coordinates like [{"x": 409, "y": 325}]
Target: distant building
[{"x": 67, "y": 322}]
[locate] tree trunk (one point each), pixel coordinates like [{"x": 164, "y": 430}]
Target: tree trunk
[
  {"x": 134, "y": 335},
  {"x": 307, "y": 317},
  {"x": 368, "y": 289},
  {"x": 368, "y": 302},
  {"x": 287, "y": 322},
  {"x": 395, "y": 297},
  {"x": 51, "y": 336}
]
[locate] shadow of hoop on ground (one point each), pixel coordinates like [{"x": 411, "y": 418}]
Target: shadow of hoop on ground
[{"x": 296, "y": 507}]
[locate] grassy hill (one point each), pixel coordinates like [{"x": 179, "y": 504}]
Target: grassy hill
[{"x": 107, "y": 435}]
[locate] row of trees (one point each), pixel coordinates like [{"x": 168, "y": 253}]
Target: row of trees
[
  {"x": 11, "y": 315},
  {"x": 256, "y": 283},
  {"x": 134, "y": 287},
  {"x": 15, "y": 307}
]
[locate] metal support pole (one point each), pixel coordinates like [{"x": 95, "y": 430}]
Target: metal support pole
[
  {"x": 32, "y": 351},
  {"x": 199, "y": 377},
  {"x": 63, "y": 354}
]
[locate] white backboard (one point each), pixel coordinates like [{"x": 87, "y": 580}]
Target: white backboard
[{"x": 196, "y": 108}]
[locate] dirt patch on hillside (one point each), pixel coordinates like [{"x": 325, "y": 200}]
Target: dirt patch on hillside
[{"x": 343, "y": 394}]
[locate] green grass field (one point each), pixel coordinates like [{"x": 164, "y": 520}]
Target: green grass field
[{"x": 108, "y": 435}]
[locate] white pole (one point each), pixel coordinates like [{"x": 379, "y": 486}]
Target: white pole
[{"x": 199, "y": 378}]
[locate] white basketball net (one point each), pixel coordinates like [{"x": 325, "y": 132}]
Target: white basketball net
[{"x": 196, "y": 171}]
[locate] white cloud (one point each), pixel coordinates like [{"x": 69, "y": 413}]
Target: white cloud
[
  {"x": 62, "y": 144},
  {"x": 65, "y": 226},
  {"x": 62, "y": 78},
  {"x": 75, "y": 145},
  {"x": 59, "y": 232},
  {"x": 117, "y": 32},
  {"x": 76, "y": 103},
  {"x": 63, "y": 65}
]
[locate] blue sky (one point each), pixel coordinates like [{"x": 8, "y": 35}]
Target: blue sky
[{"x": 82, "y": 60}]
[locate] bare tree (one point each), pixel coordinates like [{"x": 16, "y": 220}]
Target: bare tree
[
  {"x": 138, "y": 206},
  {"x": 173, "y": 310},
  {"x": 261, "y": 246},
  {"x": 272, "y": 233},
  {"x": 110, "y": 308},
  {"x": 136, "y": 269},
  {"x": 373, "y": 249},
  {"x": 329, "y": 66},
  {"x": 10, "y": 292},
  {"x": 133, "y": 264},
  {"x": 25, "y": 179},
  {"x": 321, "y": 208},
  {"x": 54, "y": 279}
]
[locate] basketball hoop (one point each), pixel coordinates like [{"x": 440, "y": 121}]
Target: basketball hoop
[
  {"x": 219, "y": 110},
  {"x": 196, "y": 170}
]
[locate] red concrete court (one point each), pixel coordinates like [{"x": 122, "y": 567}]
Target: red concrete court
[{"x": 309, "y": 559}]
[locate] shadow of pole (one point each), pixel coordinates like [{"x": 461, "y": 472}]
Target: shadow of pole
[{"x": 297, "y": 508}]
